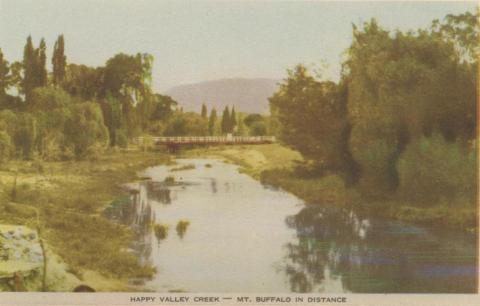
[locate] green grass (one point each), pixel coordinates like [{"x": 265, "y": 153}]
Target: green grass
[{"x": 69, "y": 197}]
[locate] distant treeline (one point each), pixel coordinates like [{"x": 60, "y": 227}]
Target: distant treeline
[{"x": 402, "y": 119}]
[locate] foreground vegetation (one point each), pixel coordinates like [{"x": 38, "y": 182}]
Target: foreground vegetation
[{"x": 70, "y": 197}]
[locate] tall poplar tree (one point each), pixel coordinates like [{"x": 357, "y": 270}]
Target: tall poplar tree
[
  {"x": 41, "y": 63},
  {"x": 233, "y": 120},
  {"x": 204, "y": 111},
  {"x": 59, "y": 61},
  {"x": 28, "y": 82},
  {"x": 212, "y": 121},
  {"x": 225, "y": 121}
]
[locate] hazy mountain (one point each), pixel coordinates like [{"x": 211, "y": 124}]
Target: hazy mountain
[{"x": 248, "y": 95}]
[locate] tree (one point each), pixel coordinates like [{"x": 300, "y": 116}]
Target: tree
[
  {"x": 402, "y": 87},
  {"x": 313, "y": 120},
  {"x": 29, "y": 68},
  {"x": 4, "y": 76},
  {"x": 112, "y": 114},
  {"x": 212, "y": 121},
  {"x": 241, "y": 126},
  {"x": 233, "y": 121},
  {"x": 25, "y": 135},
  {"x": 250, "y": 119},
  {"x": 186, "y": 124},
  {"x": 84, "y": 82},
  {"x": 225, "y": 124},
  {"x": 258, "y": 128},
  {"x": 204, "y": 111},
  {"x": 59, "y": 61},
  {"x": 128, "y": 76},
  {"x": 41, "y": 62},
  {"x": 86, "y": 129},
  {"x": 163, "y": 107}
]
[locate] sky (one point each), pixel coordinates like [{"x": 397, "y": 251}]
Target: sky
[{"x": 195, "y": 41}]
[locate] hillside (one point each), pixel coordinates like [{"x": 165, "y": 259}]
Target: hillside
[{"x": 248, "y": 95}]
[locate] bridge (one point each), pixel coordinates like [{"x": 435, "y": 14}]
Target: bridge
[{"x": 174, "y": 142}]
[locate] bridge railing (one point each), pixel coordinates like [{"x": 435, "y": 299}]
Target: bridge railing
[{"x": 208, "y": 139}]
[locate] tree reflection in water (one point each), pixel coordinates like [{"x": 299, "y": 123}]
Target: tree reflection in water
[{"x": 336, "y": 251}]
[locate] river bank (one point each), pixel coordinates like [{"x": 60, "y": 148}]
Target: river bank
[
  {"x": 70, "y": 197},
  {"x": 274, "y": 164}
]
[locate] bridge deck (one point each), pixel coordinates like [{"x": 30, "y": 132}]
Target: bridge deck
[{"x": 177, "y": 140}]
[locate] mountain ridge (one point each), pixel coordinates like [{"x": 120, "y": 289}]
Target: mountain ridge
[{"x": 246, "y": 94}]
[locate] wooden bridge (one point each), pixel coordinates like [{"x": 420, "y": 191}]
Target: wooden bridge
[{"x": 176, "y": 141}]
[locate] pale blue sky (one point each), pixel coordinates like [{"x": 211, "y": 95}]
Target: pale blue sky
[{"x": 204, "y": 40}]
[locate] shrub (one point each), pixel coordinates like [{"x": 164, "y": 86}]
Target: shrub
[
  {"x": 5, "y": 146},
  {"x": 432, "y": 169},
  {"x": 121, "y": 138},
  {"x": 85, "y": 129}
]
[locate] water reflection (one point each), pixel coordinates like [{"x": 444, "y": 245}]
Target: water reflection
[
  {"x": 159, "y": 192},
  {"x": 246, "y": 237},
  {"x": 375, "y": 256}
]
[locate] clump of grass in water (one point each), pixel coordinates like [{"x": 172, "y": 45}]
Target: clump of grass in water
[
  {"x": 161, "y": 231},
  {"x": 181, "y": 228},
  {"x": 184, "y": 167},
  {"x": 208, "y": 165}
]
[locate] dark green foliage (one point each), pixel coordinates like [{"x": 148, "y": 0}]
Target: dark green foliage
[
  {"x": 225, "y": 124},
  {"x": 232, "y": 124},
  {"x": 127, "y": 75},
  {"x": 29, "y": 68},
  {"x": 252, "y": 118},
  {"x": 204, "y": 112},
  {"x": 4, "y": 76},
  {"x": 186, "y": 124},
  {"x": 85, "y": 129},
  {"x": 121, "y": 139},
  {"x": 162, "y": 108},
  {"x": 432, "y": 170},
  {"x": 59, "y": 61},
  {"x": 41, "y": 69},
  {"x": 258, "y": 128},
  {"x": 402, "y": 87},
  {"x": 24, "y": 135},
  {"x": 401, "y": 122},
  {"x": 83, "y": 81},
  {"x": 212, "y": 120},
  {"x": 34, "y": 67},
  {"x": 313, "y": 119}
]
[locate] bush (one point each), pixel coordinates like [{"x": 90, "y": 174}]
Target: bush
[
  {"x": 121, "y": 138},
  {"x": 432, "y": 169},
  {"x": 85, "y": 129},
  {"x": 5, "y": 146},
  {"x": 258, "y": 128}
]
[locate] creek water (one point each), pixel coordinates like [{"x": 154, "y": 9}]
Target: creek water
[{"x": 243, "y": 236}]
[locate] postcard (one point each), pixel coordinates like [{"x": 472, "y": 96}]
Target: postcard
[{"x": 239, "y": 152}]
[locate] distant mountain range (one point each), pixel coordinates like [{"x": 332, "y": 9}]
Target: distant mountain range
[{"x": 248, "y": 95}]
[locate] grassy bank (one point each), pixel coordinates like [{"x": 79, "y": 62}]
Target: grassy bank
[
  {"x": 69, "y": 197},
  {"x": 274, "y": 164}
]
